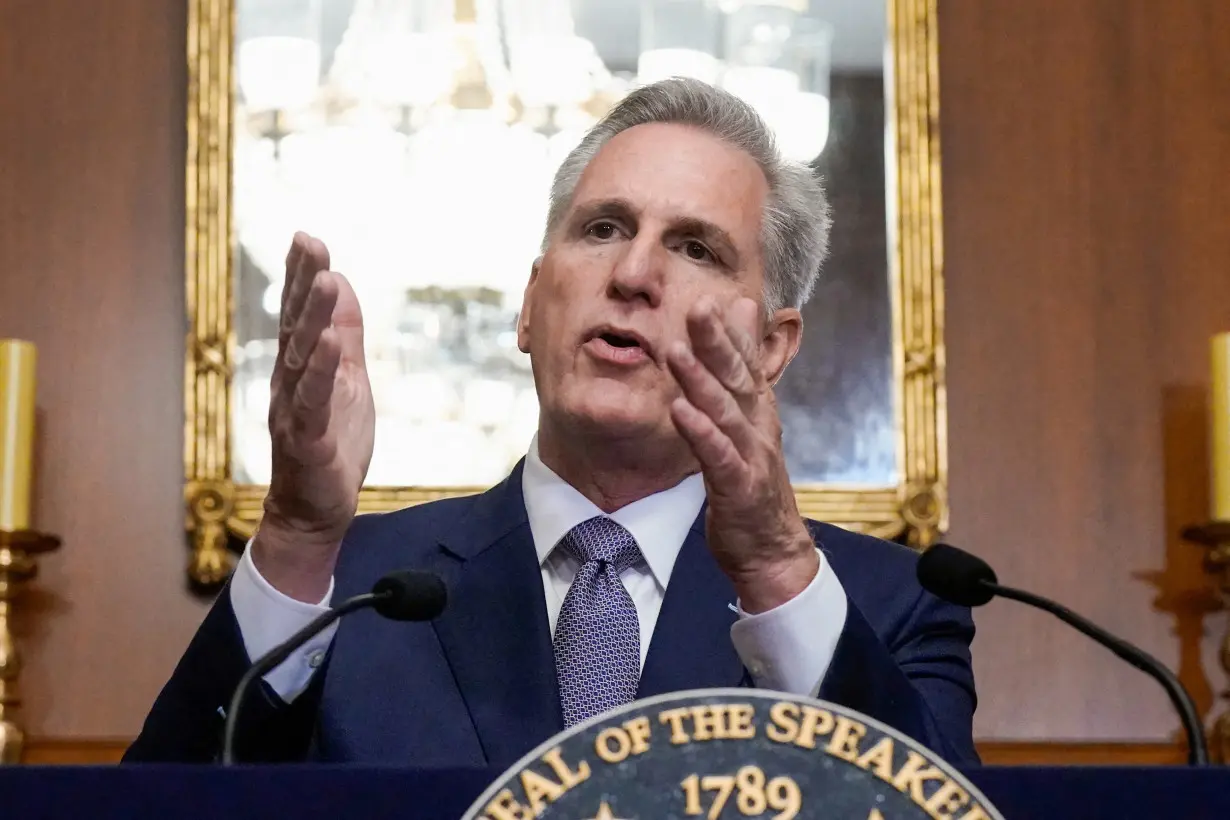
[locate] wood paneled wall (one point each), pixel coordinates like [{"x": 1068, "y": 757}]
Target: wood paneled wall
[
  {"x": 1087, "y": 229},
  {"x": 1086, "y": 151},
  {"x": 91, "y": 270}
]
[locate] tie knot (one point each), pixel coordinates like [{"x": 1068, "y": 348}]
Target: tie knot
[{"x": 602, "y": 539}]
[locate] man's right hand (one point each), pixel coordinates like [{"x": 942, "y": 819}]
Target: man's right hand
[{"x": 322, "y": 422}]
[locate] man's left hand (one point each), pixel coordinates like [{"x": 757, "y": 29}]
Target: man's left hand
[{"x": 728, "y": 415}]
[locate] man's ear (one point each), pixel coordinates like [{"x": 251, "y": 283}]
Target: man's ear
[
  {"x": 523, "y": 319},
  {"x": 782, "y": 338}
]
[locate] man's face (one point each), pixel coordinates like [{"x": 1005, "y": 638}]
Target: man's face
[{"x": 663, "y": 215}]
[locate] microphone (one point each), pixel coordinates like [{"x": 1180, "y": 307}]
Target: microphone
[
  {"x": 402, "y": 595},
  {"x": 961, "y": 578}
]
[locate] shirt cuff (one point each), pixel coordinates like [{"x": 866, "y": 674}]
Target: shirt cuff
[
  {"x": 266, "y": 618},
  {"x": 789, "y": 648}
]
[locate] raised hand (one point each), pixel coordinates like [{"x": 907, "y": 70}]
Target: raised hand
[
  {"x": 322, "y": 424},
  {"x": 729, "y": 418}
]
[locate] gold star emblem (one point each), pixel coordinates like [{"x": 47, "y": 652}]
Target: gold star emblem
[{"x": 604, "y": 813}]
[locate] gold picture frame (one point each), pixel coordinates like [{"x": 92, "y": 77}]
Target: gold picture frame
[{"x": 915, "y": 508}]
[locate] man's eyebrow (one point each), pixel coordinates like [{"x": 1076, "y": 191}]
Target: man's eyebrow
[
  {"x": 603, "y": 207},
  {"x": 702, "y": 229},
  {"x": 711, "y": 234}
]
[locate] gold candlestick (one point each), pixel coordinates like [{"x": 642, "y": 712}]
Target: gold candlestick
[
  {"x": 17, "y": 565},
  {"x": 1215, "y": 536}
]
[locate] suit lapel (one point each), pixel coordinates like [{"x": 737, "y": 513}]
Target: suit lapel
[
  {"x": 494, "y": 631},
  {"x": 691, "y": 646}
]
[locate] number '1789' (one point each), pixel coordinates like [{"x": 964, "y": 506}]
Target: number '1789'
[{"x": 753, "y": 796}]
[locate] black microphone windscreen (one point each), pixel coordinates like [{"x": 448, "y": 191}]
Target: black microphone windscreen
[
  {"x": 956, "y": 576},
  {"x": 411, "y": 595}
]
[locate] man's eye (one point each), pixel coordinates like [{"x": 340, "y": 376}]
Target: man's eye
[
  {"x": 697, "y": 251},
  {"x": 601, "y": 230}
]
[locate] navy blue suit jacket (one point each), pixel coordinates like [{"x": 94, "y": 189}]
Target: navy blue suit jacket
[{"x": 477, "y": 688}]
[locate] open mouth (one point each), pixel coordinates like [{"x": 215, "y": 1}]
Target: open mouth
[
  {"x": 619, "y": 346},
  {"x": 618, "y": 340}
]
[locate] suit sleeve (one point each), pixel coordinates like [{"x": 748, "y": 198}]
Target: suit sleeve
[
  {"x": 789, "y": 648},
  {"x": 266, "y": 618},
  {"x": 921, "y": 683},
  {"x": 187, "y": 720}
]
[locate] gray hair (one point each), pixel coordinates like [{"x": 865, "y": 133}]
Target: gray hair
[{"x": 796, "y": 223}]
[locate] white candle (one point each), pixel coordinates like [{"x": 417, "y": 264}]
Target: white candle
[
  {"x": 1219, "y": 434},
  {"x": 17, "y": 362}
]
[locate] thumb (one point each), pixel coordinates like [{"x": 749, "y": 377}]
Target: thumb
[
  {"x": 346, "y": 313},
  {"x": 347, "y": 319}
]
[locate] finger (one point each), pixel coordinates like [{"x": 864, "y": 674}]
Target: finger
[
  {"x": 742, "y": 326},
  {"x": 312, "y": 402},
  {"x": 773, "y": 418},
  {"x": 719, "y": 459},
  {"x": 713, "y": 346},
  {"x": 313, "y": 321},
  {"x": 312, "y": 260},
  {"x": 703, "y": 391},
  {"x": 291, "y": 283},
  {"x": 293, "y": 255}
]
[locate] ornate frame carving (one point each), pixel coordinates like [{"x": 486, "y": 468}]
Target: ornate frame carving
[{"x": 916, "y": 509}]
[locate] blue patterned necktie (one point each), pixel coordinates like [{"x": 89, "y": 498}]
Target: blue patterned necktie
[{"x": 598, "y": 634}]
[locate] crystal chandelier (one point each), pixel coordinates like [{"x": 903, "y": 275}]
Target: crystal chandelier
[{"x": 419, "y": 139}]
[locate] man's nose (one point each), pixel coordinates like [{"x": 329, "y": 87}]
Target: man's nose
[{"x": 638, "y": 273}]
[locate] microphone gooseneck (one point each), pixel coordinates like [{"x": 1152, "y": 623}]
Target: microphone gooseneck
[
  {"x": 402, "y": 595},
  {"x": 1197, "y": 754},
  {"x": 961, "y": 578}
]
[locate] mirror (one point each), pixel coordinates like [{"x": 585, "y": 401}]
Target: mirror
[{"x": 418, "y": 138}]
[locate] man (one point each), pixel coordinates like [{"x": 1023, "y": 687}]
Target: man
[{"x": 649, "y": 542}]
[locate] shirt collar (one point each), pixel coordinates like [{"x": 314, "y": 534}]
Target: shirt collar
[{"x": 659, "y": 522}]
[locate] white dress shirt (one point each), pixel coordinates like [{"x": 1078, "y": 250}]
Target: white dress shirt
[{"x": 787, "y": 649}]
